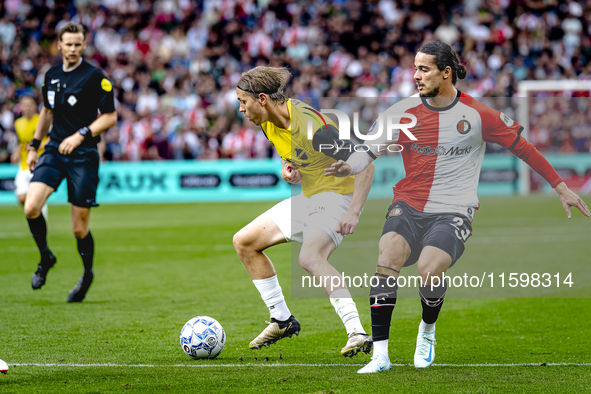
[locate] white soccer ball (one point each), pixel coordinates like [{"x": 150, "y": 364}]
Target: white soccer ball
[
  {"x": 3, "y": 367},
  {"x": 203, "y": 337}
]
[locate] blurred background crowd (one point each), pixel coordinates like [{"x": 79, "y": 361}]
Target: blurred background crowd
[{"x": 174, "y": 63}]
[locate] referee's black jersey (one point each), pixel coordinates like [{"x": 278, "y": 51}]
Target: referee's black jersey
[{"x": 74, "y": 97}]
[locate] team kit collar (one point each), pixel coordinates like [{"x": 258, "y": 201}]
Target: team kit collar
[
  {"x": 447, "y": 107},
  {"x": 73, "y": 68}
]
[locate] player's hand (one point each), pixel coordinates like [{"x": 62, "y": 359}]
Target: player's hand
[
  {"x": 568, "y": 198},
  {"x": 32, "y": 158},
  {"x": 339, "y": 169},
  {"x": 290, "y": 173},
  {"x": 69, "y": 144},
  {"x": 347, "y": 224}
]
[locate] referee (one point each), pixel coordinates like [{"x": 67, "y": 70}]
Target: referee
[{"x": 73, "y": 93}]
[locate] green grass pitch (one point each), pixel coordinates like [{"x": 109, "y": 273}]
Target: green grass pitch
[{"x": 157, "y": 266}]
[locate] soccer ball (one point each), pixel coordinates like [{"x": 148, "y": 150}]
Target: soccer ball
[{"x": 203, "y": 337}]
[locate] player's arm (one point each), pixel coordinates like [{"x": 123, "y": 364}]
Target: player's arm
[
  {"x": 16, "y": 155},
  {"x": 363, "y": 181},
  {"x": 41, "y": 130},
  {"x": 326, "y": 140},
  {"x": 397, "y": 117},
  {"x": 103, "y": 89},
  {"x": 505, "y": 132},
  {"x": 358, "y": 161},
  {"x": 528, "y": 153},
  {"x": 102, "y": 123}
]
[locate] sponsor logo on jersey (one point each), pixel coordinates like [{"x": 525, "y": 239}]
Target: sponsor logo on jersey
[
  {"x": 54, "y": 81},
  {"x": 455, "y": 151},
  {"x": 508, "y": 121},
  {"x": 463, "y": 126},
  {"x": 427, "y": 150},
  {"x": 441, "y": 150}
]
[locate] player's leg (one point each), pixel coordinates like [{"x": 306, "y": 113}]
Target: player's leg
[
  {"x": 36, "y": 197},
  {"x": 21, "y": 183},
  {"x": 394, "y": 251},
  {"x": 398, "y": 247},
  {"x": 432, "y": 263},
  {"x": 80, "y": 227},
  {"x": 317, "y": 247},
  {"x": 443, "y": 246},
  {"x": 49, "y": 173},
  {"x": 250, "y": 243},
  {"x": 21, "y": 198},
  {"x": 82, "y": 176},
  {"x": 271, "y": 228},
  {"x": 321, "y": 214}
]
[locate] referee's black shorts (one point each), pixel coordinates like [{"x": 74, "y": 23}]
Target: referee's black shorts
[
  {"x": 446, "y": 231},
  {"x": 80, "y": 168}
]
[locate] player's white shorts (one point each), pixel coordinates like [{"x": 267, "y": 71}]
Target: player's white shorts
[
  {"x": 21, "y": 181},
  {"x": 321, "y": 211}
]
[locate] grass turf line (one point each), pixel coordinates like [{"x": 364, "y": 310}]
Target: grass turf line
[{"x": 146, "y": 288}]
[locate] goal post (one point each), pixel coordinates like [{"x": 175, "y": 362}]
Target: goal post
[{"x": 523, "y": 112}]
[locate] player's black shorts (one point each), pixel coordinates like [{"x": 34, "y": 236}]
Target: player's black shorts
[
  {"x": 446, "y": 231},
  {"x": 80, "y": 168}
]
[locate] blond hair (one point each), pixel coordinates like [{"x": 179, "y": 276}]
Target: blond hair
[{"x": 267, "y": 80}]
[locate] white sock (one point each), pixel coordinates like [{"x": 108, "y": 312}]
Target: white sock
[
  {"x": 381, "y": 348},
  {"x": 347, "y": 310},
  {"x": 273, "y": 296},
  {"x": 424, "y": 327},
  {"x": 44, "y": 211}
]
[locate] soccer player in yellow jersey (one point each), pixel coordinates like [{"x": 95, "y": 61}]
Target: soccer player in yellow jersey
[
  {"x": 319, "y": 218},
  {"x": 25, "y": 130}
]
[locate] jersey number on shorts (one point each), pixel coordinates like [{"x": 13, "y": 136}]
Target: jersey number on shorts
[{"x": 460, "y": 233}]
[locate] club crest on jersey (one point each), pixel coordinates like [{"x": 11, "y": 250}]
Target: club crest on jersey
[
  {"x": 72, "y": 100},
  {"x": 396, "y": 212},
  {"x": 464, "y": 126}
]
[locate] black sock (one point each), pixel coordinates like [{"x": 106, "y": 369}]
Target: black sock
[
  {"x": 432, "y": 301},
  {"x": 38, "y": 229},
  {"x": 382, "y": 300},
  {"x": 86, "y": 250}
]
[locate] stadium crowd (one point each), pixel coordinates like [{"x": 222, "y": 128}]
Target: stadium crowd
[{"x": 175, "y": 63}]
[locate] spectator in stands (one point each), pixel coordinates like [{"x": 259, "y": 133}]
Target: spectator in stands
[{"x": 180, "y": 54}]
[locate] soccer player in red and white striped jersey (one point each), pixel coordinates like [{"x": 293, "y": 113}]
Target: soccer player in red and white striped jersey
[{"x": 433, "y": 207}]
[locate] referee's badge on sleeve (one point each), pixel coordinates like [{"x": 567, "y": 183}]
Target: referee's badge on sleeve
[
  {"x": 51, "y": 98},
  {"x": 106, "y": 85}
]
